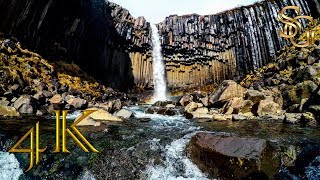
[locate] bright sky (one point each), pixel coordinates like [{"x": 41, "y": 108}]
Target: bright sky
[{"x": 155, "y": 11}]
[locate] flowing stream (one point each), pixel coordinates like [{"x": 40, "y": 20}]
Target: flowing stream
[
  {"x": 147, "y": 146},
  {"x": 159, "y": 75}
]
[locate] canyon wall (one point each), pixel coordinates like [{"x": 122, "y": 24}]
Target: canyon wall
[{"x": 106, "y": 41}]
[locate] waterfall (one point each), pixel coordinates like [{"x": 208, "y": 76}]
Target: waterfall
[{"x": 159, "y": 76}]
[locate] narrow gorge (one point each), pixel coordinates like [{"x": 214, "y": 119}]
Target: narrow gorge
[{"x": 105, "y": 40}]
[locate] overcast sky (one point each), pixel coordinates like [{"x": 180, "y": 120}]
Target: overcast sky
[{"x": 155, "y": 11}]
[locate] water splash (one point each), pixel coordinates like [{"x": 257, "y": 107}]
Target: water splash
[
  {"x": 177, "y": 165},
  {"x": 9, "y": 166},
  {"x": 159, "y": 77}
]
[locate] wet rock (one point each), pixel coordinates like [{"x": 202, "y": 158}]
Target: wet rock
[
  {"x": 102, "y": 115},
  {"x": 163, "y": 103},
  {"x": 309, "y": 119},
  {"x": 185, "y": 100},
  {"x": 272, "y": 117},
  {"x": 89, "y": 122},
  {"x": 292, "y": 118},
  {"x": 228, "y": 157},
  {"x": 144, "y": 120},
  {"x": 126, "y": 114},
  {"x": 239, "y": 117},
  {"x": 227, "y": 90},
  {"x": 222, "y": 117},
  {"x": 150, "y": 110},
  {"x": 8, "y": 111},
  {"x": 170, "y": 106},
  {"x": 166, "y": 111}
]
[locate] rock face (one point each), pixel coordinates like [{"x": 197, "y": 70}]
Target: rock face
[
  {"x": 201, "y": 50},
  {"x": 105, "y": 40},
  {"x": 229, "y": 157}
]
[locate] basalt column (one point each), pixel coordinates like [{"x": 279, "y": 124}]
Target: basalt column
[{"x": 201, "y": 50}]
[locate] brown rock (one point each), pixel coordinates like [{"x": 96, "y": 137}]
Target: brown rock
[
  {"x": 185, "y": 100},
  {"x": 255, "y": 96},
  {"x": 267, "y": 107},
  {"x": 229, "y": 157},
  {"x": 56, "y": 99},
  {"x": 227, "y": 90}
]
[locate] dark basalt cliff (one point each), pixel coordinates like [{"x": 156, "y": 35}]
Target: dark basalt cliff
[
  {"x": 106, "y": 41},
  {"x": 95, "y": 34},
  {"x": 201, "y": 50}
]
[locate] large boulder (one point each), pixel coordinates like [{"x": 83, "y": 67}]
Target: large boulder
[
  {"x": 267, "y": 107},
  {"x": 193, "y": 106},
  {"x": 227, "y": 90},
  {"x": 8, "y": 111},
  {"x": 185, "y": 100},
  {"x": 230, "y": 157},
  {"x": 237, "y": 105},
  {"x": 102, "y": 115},
  {"x": 255, "y": 96},
  {"x": 166, "y": 111},
  {"x": 123, "y": 113}
]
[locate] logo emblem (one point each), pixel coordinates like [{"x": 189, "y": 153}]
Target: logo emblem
[
  {"x": 35, "y": 150},
  {"x": 292, "y": 27}
]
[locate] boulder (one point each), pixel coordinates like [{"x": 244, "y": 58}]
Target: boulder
[
  {"x": 185, "y": 100},
  {"x": 255, "y": 96},
  {"x": 227, "y": 90},
  {"x": 4, "y": 102},
  {"x": 222, "y": 117},
  {"x": 193, "y": 106},
  {"x": 267, "y": 107},
  {"x": 202, "y": 113},
  {"x": 166, "y": 111},
  {"x": 292, "y": 118},
  {"x": 230, "y": 157},
  {"x": 56, "y": 99},
  {"x": 102, "y": 115},
  {"x": 170, "y": 106},
  {"x": 8, "y": 111},
  {"x": 88, "y": 122},
  {"x": 163, "y": 103},
  {"x": 150, "y": 110},
  {"x": 77, "y": 103},
  {"x": 123, "y": 113},
  {"x": 24, "y": 104},
  {"x": 237, "y": 105},
  {"x": 309, "y": 119},
  {"x": 239, "y": 117}
]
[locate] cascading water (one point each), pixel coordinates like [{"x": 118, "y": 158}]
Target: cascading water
[{"x": 159, "y": 77}]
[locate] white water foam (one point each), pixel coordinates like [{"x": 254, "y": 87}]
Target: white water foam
[
  {"x": 177, "y": 165},
  {"x": 9, "y": 167},
  {"x": 87, "y": 175},
  {"x": 159, "y": 76}
]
